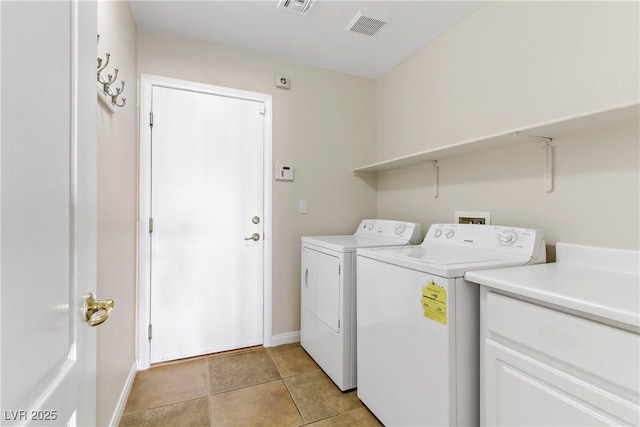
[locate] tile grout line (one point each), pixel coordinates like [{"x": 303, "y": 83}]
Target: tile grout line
[
  {"x": 209, "y": 402},
  {"x": 304, "y": 421},
  {"x": 211, "y": 393},
  {"x": 137, "y": 411},
  {"x": 223, "y": 353}
]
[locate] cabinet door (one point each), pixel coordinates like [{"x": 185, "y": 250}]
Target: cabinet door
[
  {"x": 545, "y": 367},
  {"x": 521, "y": 391},
  {"x": 320, "y": 292}
]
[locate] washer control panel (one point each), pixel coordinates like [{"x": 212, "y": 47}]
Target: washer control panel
[
  {"x": 409, "y": 231},
  {"x": 508, "y": 238},
  {"x": 520, "y": 241}
]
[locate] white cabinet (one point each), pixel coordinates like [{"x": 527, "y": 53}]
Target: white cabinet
[
  {"x": 560, "y": 343},
  {"x": 544, "y": 367}
]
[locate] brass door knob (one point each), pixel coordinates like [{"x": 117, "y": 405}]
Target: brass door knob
[{"x": 96, "y": 312}]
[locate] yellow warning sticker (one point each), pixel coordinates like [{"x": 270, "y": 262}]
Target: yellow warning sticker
[{"x": 434, "y": 302}]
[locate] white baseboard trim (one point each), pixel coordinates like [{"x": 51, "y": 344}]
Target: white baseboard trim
[
  {"x": 286, "y": 338},
  {"x": 122, "y": 402}
]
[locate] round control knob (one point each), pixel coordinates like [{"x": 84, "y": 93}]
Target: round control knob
[
  {"x": 400, "y": 228},
  {"x": 437, "y": 233},
  {"x": 450, "y": 233},
  {"x": 370, "y": 226},
  {"x": 507, "y": 238}
]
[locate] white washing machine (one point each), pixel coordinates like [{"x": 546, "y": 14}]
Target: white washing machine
[
  {"x": 418, "y": 321},
  {"x": 328, "y": 293}
]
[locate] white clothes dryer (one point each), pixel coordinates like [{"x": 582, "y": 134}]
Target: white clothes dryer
[
  {"x": 418, "y": 321},
  {"x": 328, "y": 293}
]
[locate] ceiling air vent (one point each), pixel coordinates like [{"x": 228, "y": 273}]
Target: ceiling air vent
[
  {"x": 366, "y": 24},
  {"x": 298, "y": 6}
]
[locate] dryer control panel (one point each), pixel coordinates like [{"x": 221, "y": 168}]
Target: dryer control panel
[{"x": 390, "y": 229}]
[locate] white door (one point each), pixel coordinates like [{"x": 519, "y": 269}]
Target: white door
[
  {"x": 207, "y": 233},
  {"x": 48, "y": 229}
]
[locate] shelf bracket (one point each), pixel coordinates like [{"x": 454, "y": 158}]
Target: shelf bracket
[
  {"x": 548, "y": 159},
  {"x": 435, "y": 179},
  {"x": 548, "y": 165}
]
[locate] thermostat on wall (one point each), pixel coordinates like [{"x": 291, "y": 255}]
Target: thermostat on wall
[{"x": 284, "y": 173}]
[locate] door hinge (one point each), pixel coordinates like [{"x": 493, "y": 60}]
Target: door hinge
[
  {"x": 150, "y": 331},
  {"x": 150, "y": 225},
  {"x": 262, "y": 109},
  {"x": 151, "y": 119}
]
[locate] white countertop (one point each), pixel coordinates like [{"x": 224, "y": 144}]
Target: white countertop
[{"x": 578, "y": 280}]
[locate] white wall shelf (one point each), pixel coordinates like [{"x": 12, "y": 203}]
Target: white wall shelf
[{"x": 545, "y": 132}]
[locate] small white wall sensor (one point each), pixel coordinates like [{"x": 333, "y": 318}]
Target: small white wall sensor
[{"x": 283, "y": 82}]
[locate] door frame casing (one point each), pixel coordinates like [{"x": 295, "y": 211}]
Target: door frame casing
[{"x": 147, "y": 82}]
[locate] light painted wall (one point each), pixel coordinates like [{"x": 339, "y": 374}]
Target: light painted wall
[
  {"x": 511, "y": 65},
  {"x": 323, "y": 126},
  {"x": 117, "y": 209}
]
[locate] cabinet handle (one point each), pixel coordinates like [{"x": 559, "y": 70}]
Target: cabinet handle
[{"x": 306, "y": 277}]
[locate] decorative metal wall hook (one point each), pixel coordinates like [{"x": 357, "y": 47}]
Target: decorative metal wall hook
[
  {"x": 100, "y": 68},
  {"x": 110, "y": 79},
  {"x": 108, "y": 94},
  {"x": 114, "y": 98}
]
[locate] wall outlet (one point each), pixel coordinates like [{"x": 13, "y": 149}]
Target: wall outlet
[{"x": 467, "y": 217}]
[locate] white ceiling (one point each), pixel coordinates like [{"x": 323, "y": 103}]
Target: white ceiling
[{"x": 317, "y": 38}]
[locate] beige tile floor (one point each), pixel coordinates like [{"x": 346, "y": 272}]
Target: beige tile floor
[{"x": 273, "y": 387}]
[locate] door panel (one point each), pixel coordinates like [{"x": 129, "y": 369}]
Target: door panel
[
  {"x": 321, "y": 286},
  {"x": 207, "y": 185},
  {"x": 538, "y": 368},
  {"x": 48, "y": 212},
  {"x": 523, "y": 391}
]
